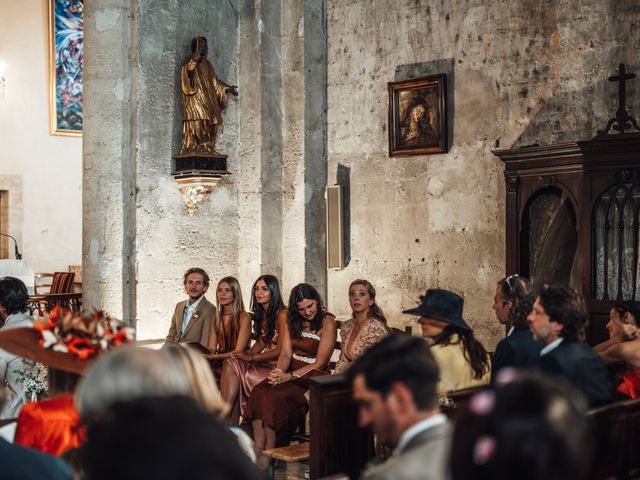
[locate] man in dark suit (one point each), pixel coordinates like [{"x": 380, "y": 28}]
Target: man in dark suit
[
  {"x": 394, "y": 385},
  {"x": 193, "y": 318},
  {"x": 558, "y": 319},
  {"x": 20, "y": 463},
  {"x": 512, "y": 303}
]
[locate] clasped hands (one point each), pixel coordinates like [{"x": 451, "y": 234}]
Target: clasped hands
[
  {"x": 629, "y": 332},
  {"x": 277, "y": 376},
  {"x": 247, "y": 357}
]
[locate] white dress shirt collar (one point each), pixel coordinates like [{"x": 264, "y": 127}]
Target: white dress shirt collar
[
  {"x": 552, "y": 346},
  {"x": 510, "y": 331},
  {"x": 188, "y": 313}
]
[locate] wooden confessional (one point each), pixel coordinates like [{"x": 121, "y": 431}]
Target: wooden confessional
[{"x": 572, "y": 215}]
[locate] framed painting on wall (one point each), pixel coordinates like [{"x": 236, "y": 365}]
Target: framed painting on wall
[
  {"x": 418, "y": 116},
  {"x": 66, "y": 66}
]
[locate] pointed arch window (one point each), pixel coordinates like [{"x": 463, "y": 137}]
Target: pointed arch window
[{"x": 615, "y": 243}]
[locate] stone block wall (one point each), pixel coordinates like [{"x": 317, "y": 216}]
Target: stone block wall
[{"x": 519, "y": 73}]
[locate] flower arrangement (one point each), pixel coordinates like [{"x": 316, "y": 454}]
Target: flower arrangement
[
  {"x": 83, "y": 336},
  {"x": 34, "y": 379}
]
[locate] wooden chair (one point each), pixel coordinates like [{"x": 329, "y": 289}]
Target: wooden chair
[
  {"x": 62, "y": 283},
  {"x": 42, "y": 283}
]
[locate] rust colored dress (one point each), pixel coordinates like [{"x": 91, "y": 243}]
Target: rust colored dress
[
  {"x": 282, "y": 407},
  {"x": 252, "y": 373},
  {"x": 51, "y": 426},
  {"x": 227, "y": 339}
]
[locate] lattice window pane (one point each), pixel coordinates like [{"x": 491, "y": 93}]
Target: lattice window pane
[{"x": 616, "y": 244}]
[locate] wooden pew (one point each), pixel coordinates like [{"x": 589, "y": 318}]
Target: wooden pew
[
  {"x": 338, "y": 444},
  {"x": 616, "y": 432},
  {"x": 461, "y": 399}
]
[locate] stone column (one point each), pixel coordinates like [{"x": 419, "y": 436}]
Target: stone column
[{"x": 267, "y": 217}]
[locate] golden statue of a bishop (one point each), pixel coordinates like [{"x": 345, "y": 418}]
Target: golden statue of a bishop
[{"x": 204, "y": 97}]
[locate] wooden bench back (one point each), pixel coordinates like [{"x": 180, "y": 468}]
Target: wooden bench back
[{"x": 616, "y": 431}]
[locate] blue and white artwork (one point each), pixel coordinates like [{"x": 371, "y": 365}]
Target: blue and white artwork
[{"x": 67, "y": 60}]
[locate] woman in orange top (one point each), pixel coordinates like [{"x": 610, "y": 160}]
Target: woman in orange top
[{"x": 53, "y": 425}]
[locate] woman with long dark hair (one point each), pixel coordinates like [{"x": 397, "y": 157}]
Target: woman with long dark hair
[
  {"x": 622, "y": 351},
  {"x": 462, "y": 359},
  {"x": 278, "y": 404},
  {"x": 367, "y": 325},
  {"x": 242, "y": 371}
]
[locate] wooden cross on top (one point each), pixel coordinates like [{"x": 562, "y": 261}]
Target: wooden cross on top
[{"x": 622, "y": 121}]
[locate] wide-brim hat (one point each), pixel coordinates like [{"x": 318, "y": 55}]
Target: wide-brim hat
[
  {"x": 25, "y": 342},
  {"x": 65, "y": 341},
  {"x": 441, "y": 305}
]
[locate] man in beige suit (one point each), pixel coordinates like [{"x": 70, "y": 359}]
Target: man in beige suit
[
  {"x": 193, "y": 318},
  {"x": 394, "y": 385}
]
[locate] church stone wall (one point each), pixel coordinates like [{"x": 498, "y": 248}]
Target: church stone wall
[
  {"x": 520, "y": 72},
  {"x": 138, "y": 237}
]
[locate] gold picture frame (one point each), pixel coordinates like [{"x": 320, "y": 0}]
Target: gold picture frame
[{"x": 418, "y": 116}]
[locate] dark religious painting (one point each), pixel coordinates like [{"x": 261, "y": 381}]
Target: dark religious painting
[
  {"x": 418, "y": 116},
  {"x": 66, "y": 66}
]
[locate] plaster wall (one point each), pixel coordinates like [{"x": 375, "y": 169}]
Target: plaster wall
[
  {"x": 519, "y": 73},
  {"x": 45, "y": 171}
]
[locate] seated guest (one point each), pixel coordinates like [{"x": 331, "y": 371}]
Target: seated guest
[
  {"x": 462, "y": 359},
  {"x": 204, "y": 390},
  {"x": 133, "y": 373},
  {"x": 558, "y": 319},
  {"x": 232, "y": 330},
  {"x": 512, "y": 303},
  {"x": 533, "y": 428},
  {"x": 366, "y": 327},
  {"x": 13, "y": 314},
  {"x": 66, "y": 343},
  {"x": 127, "y": 374},
  {"x": 279, "y": 403},
  {"x": 20, "y": 463},
  {"x": 163, "y": 438},
  {"x": 623, "y": 347},
  {"x": 394, "y": 384},
  {"x": 193, "y": 318},
  {"x": 243, "y": 371}
]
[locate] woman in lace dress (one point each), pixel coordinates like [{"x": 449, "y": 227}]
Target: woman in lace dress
[
  {"x": 279, "y": 403},
  {"x": 243, "y": 371},
  {"x": 366, "y": 327}
]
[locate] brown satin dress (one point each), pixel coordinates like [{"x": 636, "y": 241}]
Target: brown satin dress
[
  {"x": 282, "y": 407},
  {"x": 252, "y": 373}
]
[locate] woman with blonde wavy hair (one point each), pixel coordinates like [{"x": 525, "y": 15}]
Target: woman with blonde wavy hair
[
  {"x": 202, "y": 384},
  {"x": 232, "y": 329},
  {"x": 204, "y": 390}
]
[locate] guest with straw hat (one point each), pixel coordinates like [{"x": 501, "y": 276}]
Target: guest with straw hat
[{"x": 66, "y": 343}]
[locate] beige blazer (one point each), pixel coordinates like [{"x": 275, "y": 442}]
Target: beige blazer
[
  {"x": 199, "y": 326},
  {"x": 425, "y": 457}
]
